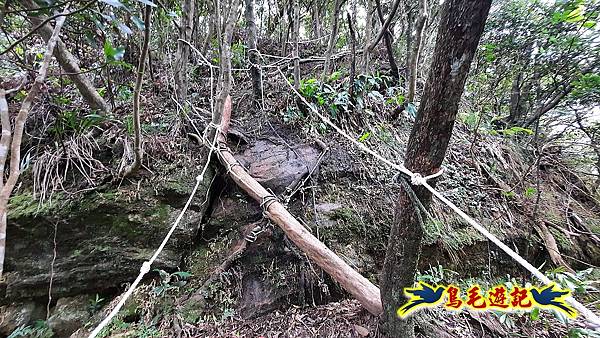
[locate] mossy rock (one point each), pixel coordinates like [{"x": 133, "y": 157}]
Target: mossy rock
[{"x": 102, "y": 238}]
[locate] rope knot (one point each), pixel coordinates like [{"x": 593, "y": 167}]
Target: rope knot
[
  {"x": 145, "y": 268},
  {"x": 267, "y": 201},
  {"x": 417, "y": 179}
]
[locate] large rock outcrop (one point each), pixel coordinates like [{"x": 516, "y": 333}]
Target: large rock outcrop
[{"x": 102, "y": 237}]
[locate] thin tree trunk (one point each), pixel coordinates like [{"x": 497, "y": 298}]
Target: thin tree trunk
[
  {"x": 211, "y": 31},
  {"x": 252, "y": 50},
  {"x": 549, "y": 105},
  {"x": 4, "y": 146},
  {"x": 388, "y": 42},
  {"x": 316, "y": 17},
  {"x": 461, "y": 26},
  {"x": 352, "y": 61},
  {"x": 332, "y": 38},
  {"x": 368, "y": 32},
  {"x": 417, "y": 44},
  {"x": 284, "y": 27},
  {"x": 20, "y": 120},
  {"x": 186, "y": 27},
  {"x": 385, "y": 24},
  {"x": 515, "y": 99},
  {"x": 137, "y": 128},
  {"x": 226, "y": 79},
  {"x": 296, "y": 52},
  {"x": 68, "y": 63}
]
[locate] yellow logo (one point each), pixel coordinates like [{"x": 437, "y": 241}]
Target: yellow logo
[{"x": 497, "y": 298}]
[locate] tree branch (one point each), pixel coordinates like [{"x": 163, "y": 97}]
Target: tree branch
[{"x": 23, "y": 38}]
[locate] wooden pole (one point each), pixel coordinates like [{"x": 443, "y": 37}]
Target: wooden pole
[{"x": 352, "y": 281}]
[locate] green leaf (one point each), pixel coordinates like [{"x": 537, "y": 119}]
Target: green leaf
[
  {"x": 530, "y": 191},
  {"x": 589, "y": 24},
  {"x": 534, "y": 314},
  {"x": 364, "y": 137},
  {"x": 182, "y": 274},
  {"x": 111, "y": 53},
  {"x": 576, "y": 15},
  {"x": 509, "y": 194},
  {"x": 335, "y": 76}
]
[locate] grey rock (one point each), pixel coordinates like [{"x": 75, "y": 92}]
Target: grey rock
[
  {"x": 277, "y": 166},
  {"x": 17, "y": 315},
  {"x": 69, "y": 315},
  {"x": 102, "y": 239}
]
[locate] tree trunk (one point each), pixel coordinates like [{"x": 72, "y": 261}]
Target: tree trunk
[
  {"x": 284, "y": 27},
  {"x": 352, "y": 39},
  {"x": 296, "y": 51},
  {"x": 137, "y": 91},
  {"x": 388, "y": 41},
  {"x": 515, "y": 99},
  {"x": 548, "y": 105},
  {"x": 316, "y": 16},
  {"x": 225, "y": 79},
  {"x": 211, "y": 29},
  {"x": 385, "y": 24},
  {"x": 186, "y": 27},
  {"x": 364, "y": 64},
  {"x": 332, "y": 38},
  {"x": 461, "y": 25},
  {"x": 415, "y": 51},
  {"x": 252, "y": 50},
  {"x": 68, "y": 63}
]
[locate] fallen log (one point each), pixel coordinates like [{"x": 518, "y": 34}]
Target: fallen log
[{"x": 352, "y": 281}]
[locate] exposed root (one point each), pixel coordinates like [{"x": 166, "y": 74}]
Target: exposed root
[
  {"x": 551, "y": 246},
  {"x": 73, "y": 157},
  {"x": 234, "y": 253}
]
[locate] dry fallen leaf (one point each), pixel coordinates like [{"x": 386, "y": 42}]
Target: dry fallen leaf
[{"x": 362, "y": 331}]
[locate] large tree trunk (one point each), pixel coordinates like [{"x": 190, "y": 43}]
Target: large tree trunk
[
  {"x": 68, "y": 63},
  {"x": 252, "y": 49},
  {"x": 415, "y": 51},
  {"x": 461, "y": 25},
  {"x": 186, "y": 27}
]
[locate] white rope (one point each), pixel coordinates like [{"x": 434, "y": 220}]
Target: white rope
[
  {"x": 145, "y": 268},
  {"x": 418, "y": 179},
  {"x": 591, "y": 317}
]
